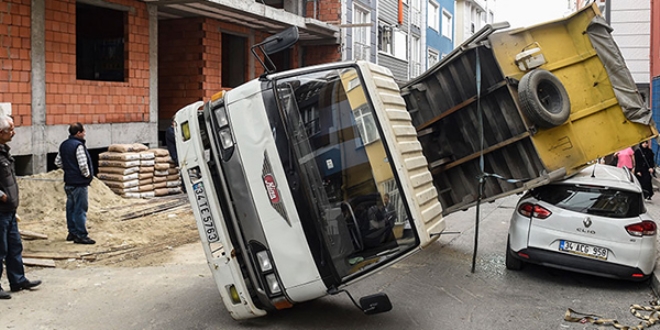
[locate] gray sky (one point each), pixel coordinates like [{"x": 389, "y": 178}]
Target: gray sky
[{"x": 521, "y": 13}]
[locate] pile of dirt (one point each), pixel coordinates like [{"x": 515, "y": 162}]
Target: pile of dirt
[{"x": 119, "y": 241}]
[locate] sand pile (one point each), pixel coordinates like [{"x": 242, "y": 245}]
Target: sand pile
[{"x": 42, "y": 209}]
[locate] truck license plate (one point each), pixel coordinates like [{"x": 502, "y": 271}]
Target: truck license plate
[
  {"x": 205, "y": 213},
  {"x": 583, "y": 249}
]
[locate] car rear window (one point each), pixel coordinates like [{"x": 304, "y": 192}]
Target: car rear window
[{"x": 600, "y": 201}]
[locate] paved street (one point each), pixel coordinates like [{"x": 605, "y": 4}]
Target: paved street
[{"x": 433, "y": 289}]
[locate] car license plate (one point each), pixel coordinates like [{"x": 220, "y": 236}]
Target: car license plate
[
  {"x": 205, "y": 213},
  {"x": 583, "y": 249}
]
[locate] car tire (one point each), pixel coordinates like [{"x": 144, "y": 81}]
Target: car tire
[
  {"x": 511, "y": 262},
  {"x": 543, "y": 98}
]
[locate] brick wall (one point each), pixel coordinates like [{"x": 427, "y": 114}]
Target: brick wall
[
  {"x": 190, "y": 61},
  {"x": 15, "y": 59},
  {"x": 322, "y": 54},
  {"x": 180, "y": 64},
  {"x": 69, "y": 99},
  {"x": 327, "y": 11}
]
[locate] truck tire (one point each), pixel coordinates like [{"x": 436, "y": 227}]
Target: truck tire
[{"x": 544, "y": 99}]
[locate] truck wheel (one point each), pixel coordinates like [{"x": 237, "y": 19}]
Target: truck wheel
[
  {"x": 544, "y": 99},
  {"x": 511, "y": 261}
]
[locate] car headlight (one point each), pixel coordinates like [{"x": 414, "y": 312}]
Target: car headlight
[
  {"x": 264, "y": 261},
  {"x": 273, "y": 285}
]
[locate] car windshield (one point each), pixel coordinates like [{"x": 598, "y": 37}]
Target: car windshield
[
  {"x": 351, "y": 190},
  {"x": 602, "y": 201}
]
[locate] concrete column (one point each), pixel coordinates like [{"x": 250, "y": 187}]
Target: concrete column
[
  {"x": 153, "y": 74},
  {"x": 38, "y": 79}
]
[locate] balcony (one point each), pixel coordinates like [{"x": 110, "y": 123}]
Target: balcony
[{"x": 251, "y": 14}]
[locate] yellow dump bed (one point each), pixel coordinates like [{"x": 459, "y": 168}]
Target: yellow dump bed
[{"x": 547, "y": 99}]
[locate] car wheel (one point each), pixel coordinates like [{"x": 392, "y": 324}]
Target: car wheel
[
  {"x": 511, "y": 261},
  {"x": 543, "y": 98}
]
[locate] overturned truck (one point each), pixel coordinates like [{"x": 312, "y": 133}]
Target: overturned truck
[
  {"x": 531, "y": 104},
  {"x": 307, "y": 180}
]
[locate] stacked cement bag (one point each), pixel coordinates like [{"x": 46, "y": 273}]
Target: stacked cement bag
[
  {"x": 166, "y": 177},
  {"x": 120, "y": 169}
]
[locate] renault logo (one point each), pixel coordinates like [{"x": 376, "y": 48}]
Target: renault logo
[{"x": 587, "y": 222}]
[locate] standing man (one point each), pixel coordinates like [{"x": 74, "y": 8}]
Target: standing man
[
  {"x": 74, "y": 158},
  {"x": 170, "y": 141},
  {"x": 11, "y": 246}
]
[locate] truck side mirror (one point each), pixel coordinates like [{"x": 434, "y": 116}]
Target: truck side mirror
[
  {"x": 274, "y": 44},
  {"x": 375, "y": 303}
]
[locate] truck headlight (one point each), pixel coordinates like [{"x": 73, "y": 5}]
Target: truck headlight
[
  {"x": 273, "y": 285},
  {"x": 226, "y": 139},
  {"x": 223, "y": 130},
  {"x": 221, "y": 116},
  {"x": 264, "y": 261}
]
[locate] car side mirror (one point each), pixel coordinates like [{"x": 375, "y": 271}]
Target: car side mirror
[{"x": 376, "y": 303}]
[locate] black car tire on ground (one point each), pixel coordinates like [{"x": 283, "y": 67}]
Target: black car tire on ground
[
  {"x": 543, "y": 98},
  {"x": 511, "y": 262}
]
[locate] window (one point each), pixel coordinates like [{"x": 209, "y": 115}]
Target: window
[
  {"x": 366, "y": 125},
  {"x": 434, "y": 15},
  {"x": 447, "y": 24},
  {"x": 415, "y": 65},
  {"x": 234, "y": 62},
  {"x": 361, "y": 49},
  {"x": 416, "y": 13},
  {"x": 434, "y": 57},
  {"x": 100, "y": 43},
  {"x": 602, "y": 201},
  {"x": 400, "y": 45},
  {"x": 384, "y": 37}
]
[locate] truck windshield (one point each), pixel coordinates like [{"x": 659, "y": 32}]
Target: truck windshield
[{"x": 350, "y": 187}]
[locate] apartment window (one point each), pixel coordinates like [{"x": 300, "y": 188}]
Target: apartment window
[
  {"x": 416, "y": 13},
  {"x": 392, "y": 41},
  {"x": 434, "y": 15},
  {"x": 400, "y": 45},
  {"x": 385, "y": 37},
  {"x": 447, "y": 24},
  {"x": 415, "y": 64},
  {"x": 100, "y": 43},
  {"x": 433, "y": 57},
  {"x": 361, "y": 49},
  {"x": 366, "y": 125}
]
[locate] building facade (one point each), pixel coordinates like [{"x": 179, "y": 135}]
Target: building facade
[
  {"x": 440, "y": 30},
  {"x": 124, "y": 67},
  {"x": 470, "y": 16}
]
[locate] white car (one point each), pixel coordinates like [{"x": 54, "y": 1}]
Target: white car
[{"x": 594, "y": 222}]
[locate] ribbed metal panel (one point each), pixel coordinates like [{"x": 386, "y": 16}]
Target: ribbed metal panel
[{"x": 396, "y": 123}]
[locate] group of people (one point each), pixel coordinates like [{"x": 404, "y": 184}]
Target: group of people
[
  {"x": 641, "y": 161},
  {"x": 73, "y": 157}
]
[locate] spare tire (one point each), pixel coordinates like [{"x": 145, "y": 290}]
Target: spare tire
[{"x": 543, "y": 98}]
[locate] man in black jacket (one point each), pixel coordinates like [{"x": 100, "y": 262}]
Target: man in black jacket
[
  {"x": 76, "y": 162},
  {"x": 11, "y": 246}
]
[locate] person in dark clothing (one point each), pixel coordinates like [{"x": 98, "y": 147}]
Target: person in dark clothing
[
  {"x": 76, "y": 162},
  {"x": 11, "y": 246},
  {"x": 644, "y": 168},
  {"x": 170, "y": 141}
]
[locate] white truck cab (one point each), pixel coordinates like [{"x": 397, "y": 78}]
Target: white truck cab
[{"x": 303, "y": 182}]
